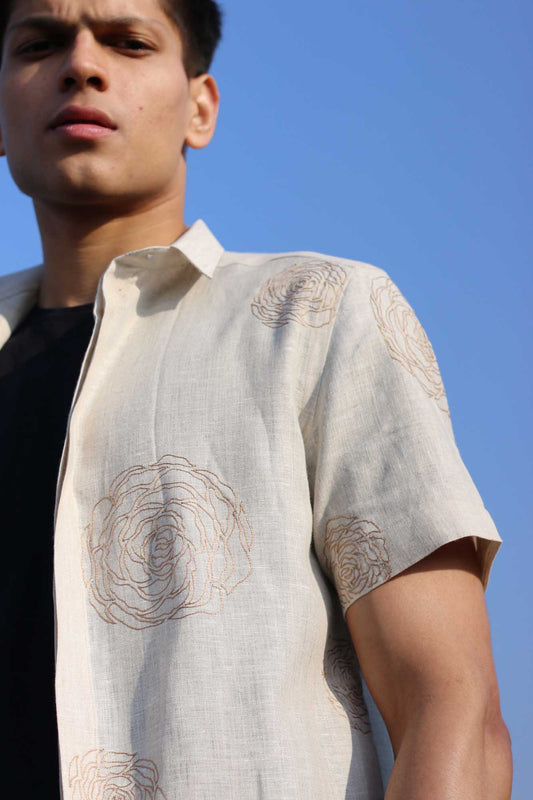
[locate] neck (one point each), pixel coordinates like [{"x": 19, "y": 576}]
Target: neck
[{"x": 79, "y": 242}]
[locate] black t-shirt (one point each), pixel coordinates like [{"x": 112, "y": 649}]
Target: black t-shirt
[{"x": 39, "y": 368}]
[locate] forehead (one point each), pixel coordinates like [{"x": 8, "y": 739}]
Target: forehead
[{"x": 77, "y": 10}]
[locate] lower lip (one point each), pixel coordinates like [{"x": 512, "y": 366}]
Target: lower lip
[{"x": 83, "y": 130}]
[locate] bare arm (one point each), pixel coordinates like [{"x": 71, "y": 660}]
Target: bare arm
[{"x": 423, "y": 642}]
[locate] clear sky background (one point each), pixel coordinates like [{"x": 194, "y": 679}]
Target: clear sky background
[{"x": 398, "y": 133}]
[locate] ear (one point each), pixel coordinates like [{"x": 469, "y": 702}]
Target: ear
[{"x": 205, "y": 102}]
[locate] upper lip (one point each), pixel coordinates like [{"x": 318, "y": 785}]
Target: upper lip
[{"x": 82, "y": 114}]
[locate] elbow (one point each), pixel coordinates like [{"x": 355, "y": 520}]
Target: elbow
[{"x": 498, "y": 759}]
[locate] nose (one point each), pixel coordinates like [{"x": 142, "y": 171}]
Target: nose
[{"x": 84, "y": 64}]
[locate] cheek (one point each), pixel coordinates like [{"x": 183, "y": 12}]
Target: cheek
[
  {"x": 14, "y": 133},
  {"x": 156, "y": 130},
  {"x": 7, "y": 110},
  {"x": 18, "y": 120},
  {"x": 166, "y": 111}
]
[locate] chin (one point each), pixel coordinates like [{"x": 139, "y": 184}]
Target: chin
[
  {"x": 97, "y": 200},
  {"x": 74, "y": 190},
  {"x": 91, "y": 185}
]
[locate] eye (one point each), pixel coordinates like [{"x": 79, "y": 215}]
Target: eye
[
  {"x": 36, "y": 47},
  {"x": 132, "y": 43}
]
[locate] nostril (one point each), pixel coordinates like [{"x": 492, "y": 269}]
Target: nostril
[{"x": 93, "y": 80}]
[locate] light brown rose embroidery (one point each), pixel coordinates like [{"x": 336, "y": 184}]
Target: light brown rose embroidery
[
  {"x": 106, "y": 775},
  {"x": 406, "y": 339},
  {"x": 356, "y": 555},
  {"x": 308, "y": 293},
  {"x": 341, "y": 673},
  {"x": 170, "y": 540}
]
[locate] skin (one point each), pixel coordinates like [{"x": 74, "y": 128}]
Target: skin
[
  {"x": 424, "y": 646},
  {"x": 96, "y": 199}
]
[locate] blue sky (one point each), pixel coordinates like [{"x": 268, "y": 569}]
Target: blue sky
[{"x": 396, "y": 133}]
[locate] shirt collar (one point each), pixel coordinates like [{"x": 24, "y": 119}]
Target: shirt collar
[
  {"x": 200, "y": 247},
  {"x": 18, "y": 291}
]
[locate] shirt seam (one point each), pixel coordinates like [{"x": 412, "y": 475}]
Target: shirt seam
[{"x": 311, "y": 424}]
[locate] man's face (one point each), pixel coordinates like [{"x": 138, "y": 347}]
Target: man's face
[{"x": 120, "y": 58}]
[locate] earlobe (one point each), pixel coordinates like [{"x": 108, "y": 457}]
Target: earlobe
[{"x": 205, "y": 99}]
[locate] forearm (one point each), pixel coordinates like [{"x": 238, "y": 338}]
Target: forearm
[{"x": 444, "y": 755}]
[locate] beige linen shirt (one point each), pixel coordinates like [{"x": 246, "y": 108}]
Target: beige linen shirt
[{"x": 255, "y": 442}]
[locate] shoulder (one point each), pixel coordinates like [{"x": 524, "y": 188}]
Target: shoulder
[
  {"x": 20, "y": 282},
  {"x": 317, "y": 289},
  {"x": 344, "y": 281},
  {"x": 265, "y": 264},
  {"x": 18, "y": 292}
]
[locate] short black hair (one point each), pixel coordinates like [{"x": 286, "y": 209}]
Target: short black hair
[{"x": 199, "y": 21}]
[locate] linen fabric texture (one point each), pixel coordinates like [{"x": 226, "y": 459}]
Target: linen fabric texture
[{"x": 255, "y": 442}]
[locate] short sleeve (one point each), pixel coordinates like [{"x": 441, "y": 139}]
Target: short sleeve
[{"x": 388, "y": 483}]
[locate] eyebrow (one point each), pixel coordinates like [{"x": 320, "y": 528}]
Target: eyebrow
[{"x": 53, "y": 24}]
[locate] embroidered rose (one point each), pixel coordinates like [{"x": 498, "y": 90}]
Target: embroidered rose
[
  {"x": 169, "y": 540},
  {"x": 406, "y": 339},
  {"x": 356, "y": 555},
  {"x": 106, "y": 775},
  {"x": 308, "y": 293},
  {"x": 341, "y": 673}
]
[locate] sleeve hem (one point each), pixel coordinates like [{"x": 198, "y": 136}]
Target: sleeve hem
[{"x": 487, "y": 547}]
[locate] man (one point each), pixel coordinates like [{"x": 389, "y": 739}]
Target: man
[{"x": 243, "y": 465}]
